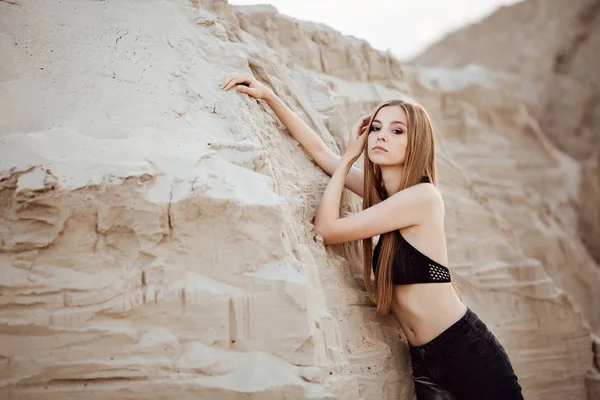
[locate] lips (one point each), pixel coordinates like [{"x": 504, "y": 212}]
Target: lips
[{"x": 380, "y": 148}]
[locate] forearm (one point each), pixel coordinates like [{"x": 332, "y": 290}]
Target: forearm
[
  {"x": 329, "y": 207},
  {"x": 298, "y": 129}
]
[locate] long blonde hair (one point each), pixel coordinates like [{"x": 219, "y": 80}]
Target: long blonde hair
[{"x": 418, "y": 162}]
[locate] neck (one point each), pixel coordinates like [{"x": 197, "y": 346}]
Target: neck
[{"x": 392, "y": 178}]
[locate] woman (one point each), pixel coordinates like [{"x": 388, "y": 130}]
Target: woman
[{"x": 453, "y": 354}]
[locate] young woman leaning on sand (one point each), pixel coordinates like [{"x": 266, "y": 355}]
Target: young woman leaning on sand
[{"x": 453, "y": 353}]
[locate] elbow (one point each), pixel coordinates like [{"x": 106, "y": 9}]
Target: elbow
[
  {"x": 321, "y": 230},
  {"x": 328, "y": 235}
]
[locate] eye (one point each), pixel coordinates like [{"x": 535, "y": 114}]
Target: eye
[
  {"x": 373, "y": 128},
  {"x": 398, "y": 131}
]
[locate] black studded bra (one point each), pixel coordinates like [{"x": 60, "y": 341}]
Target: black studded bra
[{"x": 409, "y": 265}]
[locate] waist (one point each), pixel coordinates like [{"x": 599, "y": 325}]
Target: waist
[
  {"x": 426, "y": 310},
  {"x": 468, "y": 325}
]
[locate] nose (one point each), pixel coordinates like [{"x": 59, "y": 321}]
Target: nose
[{"x": 381, "y": 136}]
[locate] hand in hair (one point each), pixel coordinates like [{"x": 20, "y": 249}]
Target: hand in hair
[
  {"x": 358, "y": 136},
  {"x": 247, "y": 84}
]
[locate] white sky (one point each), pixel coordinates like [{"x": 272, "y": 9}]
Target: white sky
[{"x": 406, "y": 27}]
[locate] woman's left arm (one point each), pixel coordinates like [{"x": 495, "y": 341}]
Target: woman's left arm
[{"x": 406, "y": 208}]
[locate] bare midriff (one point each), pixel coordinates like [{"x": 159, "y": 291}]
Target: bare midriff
[{"x": 425, "y": 310}]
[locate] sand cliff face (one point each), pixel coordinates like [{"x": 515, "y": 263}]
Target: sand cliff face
[{"x": 156, "y": 233}]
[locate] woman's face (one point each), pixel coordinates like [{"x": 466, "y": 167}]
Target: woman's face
[{"x": 387, "y": 137}]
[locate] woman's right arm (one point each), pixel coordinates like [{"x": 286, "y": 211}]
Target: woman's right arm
[{"x": 312, "y": 143}]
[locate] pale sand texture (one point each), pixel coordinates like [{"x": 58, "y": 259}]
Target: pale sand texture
[{"x": 156, "y": 236}]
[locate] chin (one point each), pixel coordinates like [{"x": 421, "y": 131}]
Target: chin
[
  {"x": 377, "y": 159},
  {"x": 375, "y": 162},
  {"x": 386, "y": 163}
]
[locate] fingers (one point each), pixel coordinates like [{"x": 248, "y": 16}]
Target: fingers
[
  {"x": 224, "y": 84},
  {"x": 232, "y": 82},
  {"x": 364, "y": 121},
  {"x": 363, "y": 124},
  {"x": 248, "y": 90},
  {"x": 235, "y": 79}
]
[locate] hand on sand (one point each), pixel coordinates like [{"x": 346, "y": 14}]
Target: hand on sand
[{"x": 246, "y": 83}]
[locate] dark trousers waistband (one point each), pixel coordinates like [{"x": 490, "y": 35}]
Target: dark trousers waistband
[{"x": 469, "y": 324}]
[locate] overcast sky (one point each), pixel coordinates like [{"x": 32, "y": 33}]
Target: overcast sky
[{"x": 406, "y": 27}]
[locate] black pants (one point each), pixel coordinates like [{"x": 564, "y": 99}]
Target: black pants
[{"x": 464, "y": 362}]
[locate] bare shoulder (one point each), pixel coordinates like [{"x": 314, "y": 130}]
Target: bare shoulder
[
  {"x": 435, "y": 196},
  {"x": 423, "y": 191},
  {"x": 427, "y": 195},
  {"x": 431, "y": 191}
]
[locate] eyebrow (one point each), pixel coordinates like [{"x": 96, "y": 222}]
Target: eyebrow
[{"x": 393, "y": 122}]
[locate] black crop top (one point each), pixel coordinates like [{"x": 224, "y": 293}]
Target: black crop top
[{"x": 409, "y": 265}]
